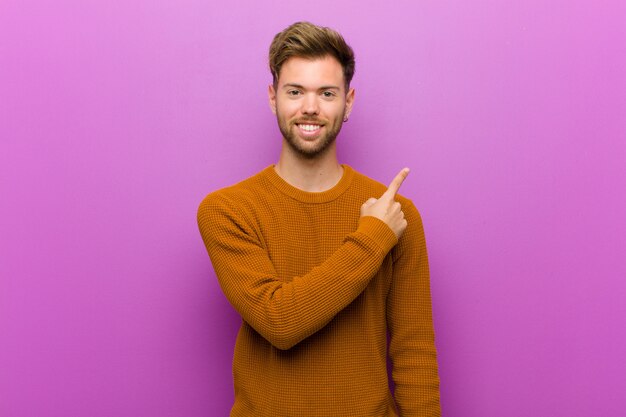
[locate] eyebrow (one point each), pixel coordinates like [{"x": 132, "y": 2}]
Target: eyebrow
[{"x": 324, "y": 87}]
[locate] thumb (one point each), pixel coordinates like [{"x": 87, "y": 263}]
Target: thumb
[{"x": 369, "y": 202}]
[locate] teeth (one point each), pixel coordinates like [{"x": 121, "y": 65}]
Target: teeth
[{"x": 309, "y": 128}]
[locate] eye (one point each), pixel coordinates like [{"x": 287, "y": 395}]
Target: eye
[
  {"x": 328, "y": 94},
  {"x": 293, "y": 93}
]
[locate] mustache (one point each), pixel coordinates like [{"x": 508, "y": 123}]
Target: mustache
[{"x": 310, "y": 121}]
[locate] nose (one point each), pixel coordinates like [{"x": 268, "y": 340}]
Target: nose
[{"x": 310, "y": 105}]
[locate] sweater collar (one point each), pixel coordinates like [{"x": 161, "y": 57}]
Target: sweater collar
[{"x": 307, "y": 196}]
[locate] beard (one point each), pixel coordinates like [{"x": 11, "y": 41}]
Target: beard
[{"x": 309, "y": 149}]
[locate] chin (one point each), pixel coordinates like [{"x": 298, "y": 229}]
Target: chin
[{"x": 321, "y": 147}]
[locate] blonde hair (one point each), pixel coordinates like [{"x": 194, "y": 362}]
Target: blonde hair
[{"x": 306, "y": 40}]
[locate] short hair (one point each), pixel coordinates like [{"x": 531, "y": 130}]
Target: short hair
[{"x": 306, "y": 40}]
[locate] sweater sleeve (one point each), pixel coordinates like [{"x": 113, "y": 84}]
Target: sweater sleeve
[
  {"x": 286, "y": 311},
  {"x": 409, "y": 316}
]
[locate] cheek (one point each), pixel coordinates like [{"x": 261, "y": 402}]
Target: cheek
[
  {"x": 335, "y": 111},
  {"x": 287, "y": 110}
]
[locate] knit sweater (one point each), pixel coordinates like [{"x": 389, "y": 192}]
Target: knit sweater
[{"x": 325, "y": 296}]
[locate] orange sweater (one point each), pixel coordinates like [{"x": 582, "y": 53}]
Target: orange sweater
[{"x": 318, "y": 289}]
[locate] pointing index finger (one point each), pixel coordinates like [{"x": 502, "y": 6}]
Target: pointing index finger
[{"x": 395, "y": 184}]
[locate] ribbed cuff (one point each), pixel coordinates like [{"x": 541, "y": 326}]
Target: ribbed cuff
[{"x": 378, "y": 231}]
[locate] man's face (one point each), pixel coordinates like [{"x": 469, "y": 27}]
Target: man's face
[{"x": 310, "y": 103}]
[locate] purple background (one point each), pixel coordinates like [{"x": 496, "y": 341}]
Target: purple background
[{"x": 117, "y": 117}]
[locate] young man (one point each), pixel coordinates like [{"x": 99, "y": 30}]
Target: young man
[{"x": 320, "y": 270}]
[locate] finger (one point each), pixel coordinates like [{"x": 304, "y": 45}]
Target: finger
[{"x": 395, "y": 184}]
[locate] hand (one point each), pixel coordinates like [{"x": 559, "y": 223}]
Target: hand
[{"x": 386, "y": 208}]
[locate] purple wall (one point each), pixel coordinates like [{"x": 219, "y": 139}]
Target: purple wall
[{"x": 117, "y": 117}]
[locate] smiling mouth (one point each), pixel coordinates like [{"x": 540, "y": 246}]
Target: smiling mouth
[{"x": 308, "y": 128}]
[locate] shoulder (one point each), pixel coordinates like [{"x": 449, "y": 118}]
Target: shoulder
[
  {"x": 231, "y": 210},
  {"x": 237, "y": 195}
]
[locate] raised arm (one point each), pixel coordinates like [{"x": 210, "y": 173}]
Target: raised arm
[{"x": 285, "y": 312}]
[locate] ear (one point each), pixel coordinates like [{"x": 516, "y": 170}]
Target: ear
[
  {"x": 271, "y": 93},
  {"x": 349, "y": 102}
]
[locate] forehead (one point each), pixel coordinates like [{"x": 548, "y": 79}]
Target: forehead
[{"x": 311, "y": 72}]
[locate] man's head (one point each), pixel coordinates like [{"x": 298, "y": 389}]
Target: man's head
[
  {"x": 306, "y": 40},
  {"x": 311, "y": 96}
]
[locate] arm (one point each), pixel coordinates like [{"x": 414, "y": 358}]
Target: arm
[
  {"x": 409, "y": 316},
  {"x": 285, "y": 312}
]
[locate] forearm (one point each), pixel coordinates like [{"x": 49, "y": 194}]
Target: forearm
[
  {"x": 409, "y": 312},
  {"x": 416, "y": 376}
]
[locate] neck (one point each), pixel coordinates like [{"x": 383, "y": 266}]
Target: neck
[{"x": 313, "y": 175}]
